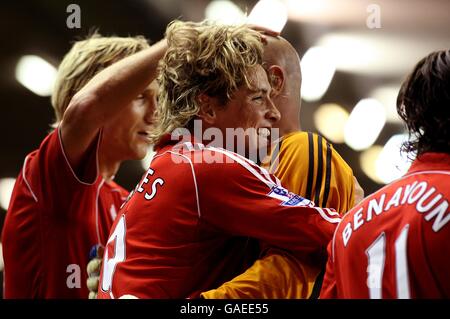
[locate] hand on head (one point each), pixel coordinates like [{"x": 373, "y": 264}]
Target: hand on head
[{"x": 265, "y": 32}]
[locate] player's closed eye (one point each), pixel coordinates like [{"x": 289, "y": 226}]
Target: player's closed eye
[{"x": 141, "y": 96}]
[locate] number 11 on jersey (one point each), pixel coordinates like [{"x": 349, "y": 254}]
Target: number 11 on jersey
[{"x": 376, "y": 255}]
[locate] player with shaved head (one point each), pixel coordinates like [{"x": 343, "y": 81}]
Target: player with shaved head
[
  {"x": 191, "y": 223},
  {"x": 307, "y": 165}
]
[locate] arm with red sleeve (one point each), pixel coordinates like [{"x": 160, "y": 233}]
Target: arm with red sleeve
[
  {"x": 235, "y": 199},
  {"x": 250, "y": 203},
  {"x": 437, "y": 252},
  {"x": 329, "y": 289}
]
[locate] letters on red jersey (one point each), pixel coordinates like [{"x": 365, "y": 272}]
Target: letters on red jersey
[
  {"x": 395, "y": 243},
  {"x": 193, "y": 221}
]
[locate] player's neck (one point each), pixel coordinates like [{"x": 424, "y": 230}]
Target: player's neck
[
  {"x": 290, "y": 119},
  {"x": 289, "y": 128},
  {"x": 108, "y": 168}
]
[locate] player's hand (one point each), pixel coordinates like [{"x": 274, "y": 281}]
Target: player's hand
[
  {"x": 93, "y": 270},
  {"x": 265, "y": 32},
  {"x": 359, "y": 192}
]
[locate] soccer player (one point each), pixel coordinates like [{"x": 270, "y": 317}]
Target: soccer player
[
  {"x": 394, "y": 244},
  {"x": 306, "y": 164},
  {"x": 65, "y": 199},
  {"x": 188, "y": 226}
]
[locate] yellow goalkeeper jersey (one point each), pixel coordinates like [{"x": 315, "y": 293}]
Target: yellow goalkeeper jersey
[{"x": 309, "y": 166}]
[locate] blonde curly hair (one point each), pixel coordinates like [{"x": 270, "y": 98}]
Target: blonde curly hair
[
  {"x": 85, "y": 59},
  {"x": 201, "y": 58}
]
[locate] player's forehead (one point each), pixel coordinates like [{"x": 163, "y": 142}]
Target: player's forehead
[{"x": 152, "y": 88}]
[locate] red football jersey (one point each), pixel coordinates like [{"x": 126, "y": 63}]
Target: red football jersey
[
  {"x": 186, "y": 228},
  {"x": 395, "y": 243},
  {"x": 52, "y": 222}
]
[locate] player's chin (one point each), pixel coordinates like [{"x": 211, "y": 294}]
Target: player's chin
[
  {"x": 263, "y": 143},
  {"x": 252, "y": 150},
  {"x": 262, "y": 148},
  {"x": 140, "y": 150}
]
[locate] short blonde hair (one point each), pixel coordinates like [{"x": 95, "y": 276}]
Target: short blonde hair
[
  {"x": 84, "y": 60},
  {"x": 201, "y": 58}
]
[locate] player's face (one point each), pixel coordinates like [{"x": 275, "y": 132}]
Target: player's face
[
  {"x": 127, "y": 136},
  {"x": 250, "y": 108}
]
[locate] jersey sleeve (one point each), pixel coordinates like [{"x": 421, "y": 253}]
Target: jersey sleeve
[
  {"x": 295, "y": 161},
  {"x": 52, "y": 179},
  {"x": 329, "y": 290},
  {"x": 437, "y": 250},
  {"x": 308, "y": 165},
  {"x": 245, "y": 200}
]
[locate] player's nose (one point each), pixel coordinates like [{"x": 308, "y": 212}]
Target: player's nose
[{"x": 272, "y": 113}]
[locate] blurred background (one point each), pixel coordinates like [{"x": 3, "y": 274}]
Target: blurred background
[{"x": 354, "y": 56}]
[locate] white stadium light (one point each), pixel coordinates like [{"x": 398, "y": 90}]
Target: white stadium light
[
  {"x": 271, "y": 14},
  {"x": 6, "y": 188},
  {"x": 371, "y": 53},
  {"x": 330, "y": 120},
  {"x": 317, "y": 71},
  {"x": 351, "y": 53},
  {"x": 368, "y": 161},
  {"x": 309, "y": 9},
  {"x": 391, "y": 163},
  {"x": 387, "y": 95},
  {"x": 36, "y": 74},
  {"x": 364, "y": 124},
  {"x": 225, "y": 12}
]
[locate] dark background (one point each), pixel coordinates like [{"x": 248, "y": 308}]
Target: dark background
[{"x": 39, "y": 27}]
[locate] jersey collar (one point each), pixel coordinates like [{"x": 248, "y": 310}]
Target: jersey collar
[
  {"x": 167, "y": 141},
  {"x": 431, "y": 162}
]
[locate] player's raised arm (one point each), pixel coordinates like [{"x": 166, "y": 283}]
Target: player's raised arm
[{"x": 104, "y": 96}]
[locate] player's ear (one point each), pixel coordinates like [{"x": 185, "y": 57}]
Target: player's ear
[
  {"x": 207, "y": 108},
  {"x": 276, "y": 78}
]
